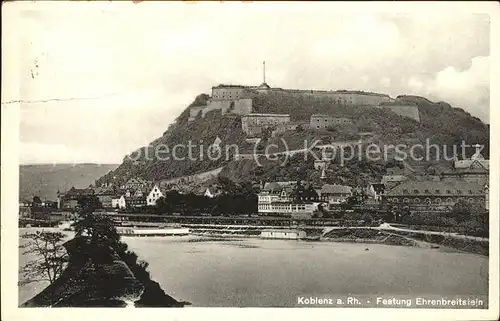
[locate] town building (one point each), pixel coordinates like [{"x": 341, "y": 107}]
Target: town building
[
  {"x": 69, "y": 199},
  {"x": 217, "y": 142},
  {"x": 140, "y": 192},
  {"x": 390, "y": 181},
  {"x": 24, "y": 208},
  {"x": 334, "y": 194},
  {"x": 319, "y": 121},
  {"x": 475, "y": 169},
  {"x": 211, "y": 192},
  {"x": 153, "y": 196},
  {"x": 288, "y": 198},
  {"x": 118, "y": 201},
  {"x": 135, "y": 183},
  {"x": 105, "y": 196},
  {"x": 135, "y": 202},
  {"x": 433, "y": 195},
  {"x": 376, "y": 191}
]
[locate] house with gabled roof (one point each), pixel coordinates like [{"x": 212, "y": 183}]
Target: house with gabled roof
[
  {"x": 475, "y": 169},
  {"x": 334, "y": 194},
  {"x": 392, "y": 180},
  {"x": 211, "y": 192},
  {"x": 375, "y": 191},
  {"x": 153, "y": 196}
]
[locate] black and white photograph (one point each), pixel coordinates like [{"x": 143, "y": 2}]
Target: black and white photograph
[{"x": 249, "y": 155}]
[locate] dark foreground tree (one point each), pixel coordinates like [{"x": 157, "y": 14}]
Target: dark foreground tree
[
  {"x": 98, "y": 229},
  {"x": 48, "y": 256}
]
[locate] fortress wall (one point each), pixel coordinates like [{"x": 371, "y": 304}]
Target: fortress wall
[
  {"x": 242, "y": 106},
  {"x": 222, "y": 105},
  {"x": 253, "y": 124},
  {"x": 194, "y": 112},
  {"x": 347, "y": 98},
  {"x": 324, "y": 121},
  {"x": 280, "y": 129},
  {"x": 227, "y": 93},
  {"x": 405, "y": 111},
  {"x": 239, "y": 106},
  {"x": 253, "y": 130},
  {"x": 360, "y": 99}
]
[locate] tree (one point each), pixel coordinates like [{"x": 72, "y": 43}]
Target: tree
[
  {"x": 37, "y": 201},
  {"x": 99, "y": 229},
  {"x": 461, "y": 211},
  {"x": 88, "y": 204},
  {"x": 162, "y": 207},
  {"x": 49, "y": 256}
]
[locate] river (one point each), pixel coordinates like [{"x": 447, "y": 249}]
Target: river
[{"x": 254, "y": 272}]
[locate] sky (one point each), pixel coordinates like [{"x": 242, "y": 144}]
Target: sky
[{"x": 99, "y": 80}]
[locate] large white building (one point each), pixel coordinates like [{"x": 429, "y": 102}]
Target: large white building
[{"x": 281, "y": 198}]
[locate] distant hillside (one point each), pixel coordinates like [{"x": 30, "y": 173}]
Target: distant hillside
[
  {"x": 45, "y": 180},
  {"x": 440, "y": 123}
]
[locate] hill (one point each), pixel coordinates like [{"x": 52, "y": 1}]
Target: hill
[
  {"x": 440, "y": 124},
  {"x": 45, "y": 180}
]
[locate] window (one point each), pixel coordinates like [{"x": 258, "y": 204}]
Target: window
[
  {"x": 426, "y": 191},
  {"x": 448, "y": 191},
  {"x": 405, "y": 191},
  {"x": 437, "y": 191},
  {"x": 416, "y": 200},
  {"x": 437, "y": 200},
  {"x": 428, "y": 200},
  {"x": 406, "y": 200},
  {"x": 415, "y": 191},
  {"x": 470, "y": 192},
  {"x": 459, "y": 191}
]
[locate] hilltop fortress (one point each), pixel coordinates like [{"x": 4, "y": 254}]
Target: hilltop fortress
[{"x": 237, "y": 99}]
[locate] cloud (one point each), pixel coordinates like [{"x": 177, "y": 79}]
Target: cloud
[{"x": 468, "y": 89}]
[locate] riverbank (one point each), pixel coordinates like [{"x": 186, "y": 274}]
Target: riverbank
[
  {"x": 370, "y": 235},
  {"x": 127, "y": 279}
]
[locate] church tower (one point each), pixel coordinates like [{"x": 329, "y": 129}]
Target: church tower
[{"x": 323, "y": 173}]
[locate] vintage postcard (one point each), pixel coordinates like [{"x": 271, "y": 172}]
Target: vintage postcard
[{"x": 314, "y": 159}]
